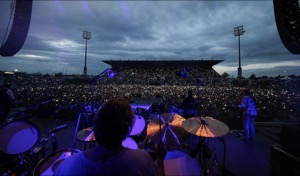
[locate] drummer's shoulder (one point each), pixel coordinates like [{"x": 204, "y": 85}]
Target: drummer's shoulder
[
  {"x": 139, "y": 154},
  {"x": 136, "y": 151},
  {"x": 70, "y": 165}
]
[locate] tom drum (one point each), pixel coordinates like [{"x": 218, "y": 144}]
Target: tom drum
[{"x": 18, "y": 136}]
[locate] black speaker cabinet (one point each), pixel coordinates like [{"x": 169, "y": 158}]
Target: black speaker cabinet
[
  {"x": 19, "y": 29},
  {"x": 290, "y": 139},
  {"x": 283, "y": 162},
  {"x": 287, "y": 17}
]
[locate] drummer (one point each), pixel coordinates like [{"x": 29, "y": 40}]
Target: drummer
[{"x": 112, "y": 124}]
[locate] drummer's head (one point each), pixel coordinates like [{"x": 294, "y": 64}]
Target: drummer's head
[{"x": 113, "y": 122}]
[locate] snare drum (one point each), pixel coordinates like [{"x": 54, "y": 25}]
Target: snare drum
[
  {"x": 129, "y": 143},
  {"x": 138, "y": 125},
  {"x": 18, "y": 136},
  {"x": 48, "y": 165}
]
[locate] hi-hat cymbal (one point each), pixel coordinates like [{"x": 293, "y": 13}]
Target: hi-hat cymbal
[
  {"x": 86, "y": 135},
  {"x": 169, "y": 130},
  {"x": 205, "y": 127}
]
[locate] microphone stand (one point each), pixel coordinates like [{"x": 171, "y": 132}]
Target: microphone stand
[
  {"x": 32, "y": 107},
  {"x": 97, "y": 77}
]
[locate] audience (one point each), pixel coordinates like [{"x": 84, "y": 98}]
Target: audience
[{"x": 276, "y": 99}]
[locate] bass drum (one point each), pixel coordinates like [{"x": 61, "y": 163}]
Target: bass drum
[
  {"x": 180, "y": 163},
  {"x": 18, "y": 136},
  {"x": 48, "y": 165}
]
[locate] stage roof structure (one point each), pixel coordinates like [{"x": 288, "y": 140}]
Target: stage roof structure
[{"x": 206, "y": 64}]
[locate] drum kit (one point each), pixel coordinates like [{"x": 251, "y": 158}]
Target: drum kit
[
  {"x": 24, "y": 152},
  {"x": 21, "y": 138},
  {"x": 133, "y": 141}
]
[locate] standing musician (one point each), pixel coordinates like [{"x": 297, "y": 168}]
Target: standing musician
[{"x": 248, "y": 105}]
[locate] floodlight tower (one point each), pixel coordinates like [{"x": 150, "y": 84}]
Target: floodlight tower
[
  {"x": 87, "y": 36},
  {"x": 238, "y": 31}
]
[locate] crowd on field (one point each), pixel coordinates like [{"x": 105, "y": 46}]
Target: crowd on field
[{"x": 275, "y": 98}]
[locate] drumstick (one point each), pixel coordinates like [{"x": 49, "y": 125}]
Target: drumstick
[{"x": 76, "y": 130}]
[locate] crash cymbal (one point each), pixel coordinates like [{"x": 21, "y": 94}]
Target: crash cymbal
[
  {"x": 169, "y": 130},
  {"x": 205, "y": 127}
]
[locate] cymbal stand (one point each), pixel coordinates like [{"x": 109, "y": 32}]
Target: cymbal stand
[
  {"x": 160, "y": 136},
  {"x": 224, "y": 151},
  {"x": 204, "y": 155},
  {"x": 205, "y": 152}
]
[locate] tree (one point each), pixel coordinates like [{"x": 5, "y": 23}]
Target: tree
[
  {"x": 252, "y": 76},
  {"x": 225, "y": 75}
]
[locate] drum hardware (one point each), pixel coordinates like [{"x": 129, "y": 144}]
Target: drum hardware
[
  {"x": 38, "y": 152},
  {"x": 47, "y": 165},
  {"x": 86, "y": 133},
  {"x": 20, "y": 138},
  {"x": 17, "y": 138},
  {"x": 144, "y": 143},
  {"x": 206, "y": 127}
]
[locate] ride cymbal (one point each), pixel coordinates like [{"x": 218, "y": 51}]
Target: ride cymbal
[{"x": 205, "y": 127}]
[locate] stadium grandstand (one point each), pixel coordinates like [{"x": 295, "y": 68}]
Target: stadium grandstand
[{"x": 161, "y": 72}]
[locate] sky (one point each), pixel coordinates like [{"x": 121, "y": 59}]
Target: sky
[{"x": 149, "y": 30}]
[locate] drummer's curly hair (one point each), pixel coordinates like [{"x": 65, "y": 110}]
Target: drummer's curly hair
[{"x": 113, "y": 122}]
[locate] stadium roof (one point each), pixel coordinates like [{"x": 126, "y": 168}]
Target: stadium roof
[{"x": 162, "y": 63}]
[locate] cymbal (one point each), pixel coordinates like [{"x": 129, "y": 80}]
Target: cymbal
[
  {"x": 205, "y": 127},
  {"x": 172, "y": 133}
]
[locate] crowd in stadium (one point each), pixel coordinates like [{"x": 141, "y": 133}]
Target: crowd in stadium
[
  {"x": 159, "y": 76},
  {"x": 275, "y": 98}
]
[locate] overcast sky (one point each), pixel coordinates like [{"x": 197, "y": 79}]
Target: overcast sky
[{"x": 141, "y": 30}]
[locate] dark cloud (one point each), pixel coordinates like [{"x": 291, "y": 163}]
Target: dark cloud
[{"x": 148, "y": 30}]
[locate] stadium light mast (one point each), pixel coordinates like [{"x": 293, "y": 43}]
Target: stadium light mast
[
  {"x": 87, "y": 36},
  {"x": 238, "y": 31}
]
